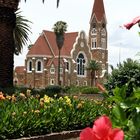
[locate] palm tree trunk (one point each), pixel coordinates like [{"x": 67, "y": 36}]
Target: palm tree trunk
[
  {"x": 93, "y": 80},
  {"x": 7, "y": 24}
]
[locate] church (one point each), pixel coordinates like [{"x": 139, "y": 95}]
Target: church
[{"x": 41, "y": 63}]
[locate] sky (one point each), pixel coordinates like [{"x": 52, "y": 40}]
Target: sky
[{"x": 122, "y": 43}]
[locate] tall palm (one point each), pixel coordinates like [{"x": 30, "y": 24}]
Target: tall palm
[
  {"x": 93, "y": 66},
  {"x": 7, "y": 49},
  {"x": 60, "y": 27}
]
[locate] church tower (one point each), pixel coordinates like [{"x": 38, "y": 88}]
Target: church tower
[{"x": 98, "y": 35}]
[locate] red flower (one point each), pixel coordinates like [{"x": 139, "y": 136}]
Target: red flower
[
  {"x": 102, "y": 130},
  {"x": 133, "y": 22}
]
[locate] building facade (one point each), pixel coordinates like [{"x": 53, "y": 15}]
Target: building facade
[{"x": 41, "y": 63}]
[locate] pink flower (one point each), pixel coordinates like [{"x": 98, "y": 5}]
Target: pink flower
[
  {"x": 102, "y": 130},
  {"x": 133, "y": 22}
]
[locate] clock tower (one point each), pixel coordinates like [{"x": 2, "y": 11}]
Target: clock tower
[{"x": 98, "y": 36}]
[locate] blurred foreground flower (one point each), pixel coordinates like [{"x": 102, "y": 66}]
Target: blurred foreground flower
[
  {"x": 102, "y": 130},
  {"x": 133, "y": 22}
]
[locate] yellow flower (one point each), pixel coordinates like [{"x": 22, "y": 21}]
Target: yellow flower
[
  {"x": 13, "y": 98},
  {"x": 37, "y": 111},
  {"x": 47, "y": 99},
  {"x": 42, "y": 103},
  {"x": 8, "y": 97},
  {"x": 24, "y": 113},
  {"x": 79, "y": 105},
  {"x": 68, "y": 101},
  {"x": 61, "y": 98},
  {"x": 28, "y": 93},
  {"x": 22, "y": 95},
  {"x": 60, "y": 109},
  {"x": 14, "y": 113}
]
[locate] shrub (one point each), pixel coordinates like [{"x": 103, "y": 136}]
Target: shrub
[
  {"x": 90, "y": 90},
  {"x": 53, "y": 89},
  {"x": 127, "y": 72}
]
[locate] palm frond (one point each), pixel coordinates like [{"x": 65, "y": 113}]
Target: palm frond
[
  {"x": 21, "y": 32},
  {"x": 56, "y": 5}
]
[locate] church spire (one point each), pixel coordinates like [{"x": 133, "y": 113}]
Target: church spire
[{"x": 98, "y": 10}]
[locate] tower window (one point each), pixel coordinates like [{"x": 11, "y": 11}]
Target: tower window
[{"x": 93, "y": 43}]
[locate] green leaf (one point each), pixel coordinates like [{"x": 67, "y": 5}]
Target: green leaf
[{"x": 119, "y": 114}]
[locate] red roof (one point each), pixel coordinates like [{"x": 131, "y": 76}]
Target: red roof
[
  {"x": 40, "y": 47},
  {"x": 98, "y": 10},
  {"x": 46, "y": 44}
]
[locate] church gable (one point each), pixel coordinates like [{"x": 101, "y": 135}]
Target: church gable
[
  {"x": 81, "y": 46},
  {"x": 40, "y": 48}
]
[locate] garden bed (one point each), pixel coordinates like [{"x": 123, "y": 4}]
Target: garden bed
[{"x": 65, "y": 135}]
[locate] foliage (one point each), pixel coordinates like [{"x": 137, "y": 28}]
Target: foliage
[
  {"x": 25, "y": 115},
  {"x": 125, "y": 111},
  {"x": 93, "y": 66},
  {"x": 90, "y": 90},
  {"x": 53, "y": 89},
  {"x": 57, "y": 2},
  {"x": 21, "y": 32},
  {"x": 60, "y": 27},
  {"x": 128, "y": 72}
]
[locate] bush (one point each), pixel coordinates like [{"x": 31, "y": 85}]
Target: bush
[
  {"x": 126, "y": 73},
  {"x": 53, "y": 89},
  {"x": 90, "y": 90}
]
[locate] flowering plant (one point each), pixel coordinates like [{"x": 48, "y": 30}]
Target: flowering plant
[{"x": 102, "y": 130}]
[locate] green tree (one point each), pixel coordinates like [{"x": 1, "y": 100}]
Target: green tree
[
  {"x": 93, "y": 66},
  {"x": 7, "y": 44},
  {"x": 127, "y": 72},
  {"x": 60, "y": 27}
]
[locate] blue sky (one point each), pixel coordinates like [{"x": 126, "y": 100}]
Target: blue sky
[{"x": 122, "y": 43}]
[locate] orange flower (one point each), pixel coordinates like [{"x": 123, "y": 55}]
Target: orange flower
[{"x": 1, "y": 96}]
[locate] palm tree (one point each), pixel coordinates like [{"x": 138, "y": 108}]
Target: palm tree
[
  {"x": 60, "y": 27},
  {"x": 93, "y": 66},
  {"x": 7, "y": 49},
  {"x": 21, "y": 32}
]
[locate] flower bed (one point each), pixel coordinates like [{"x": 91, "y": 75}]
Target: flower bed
[{"x": 26, "y": 115}]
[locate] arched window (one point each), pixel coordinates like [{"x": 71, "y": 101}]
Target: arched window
[
  {"x": 103, "y": 32},
  {"x": 93, "y": 31},
  {"x": 67, "y": 66},
  {"x": 39, "y": 66},
  {"x": 29, "y": 66},
  {"x": 93, "y": 43},
  {"x": 81, "y": 64}
]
